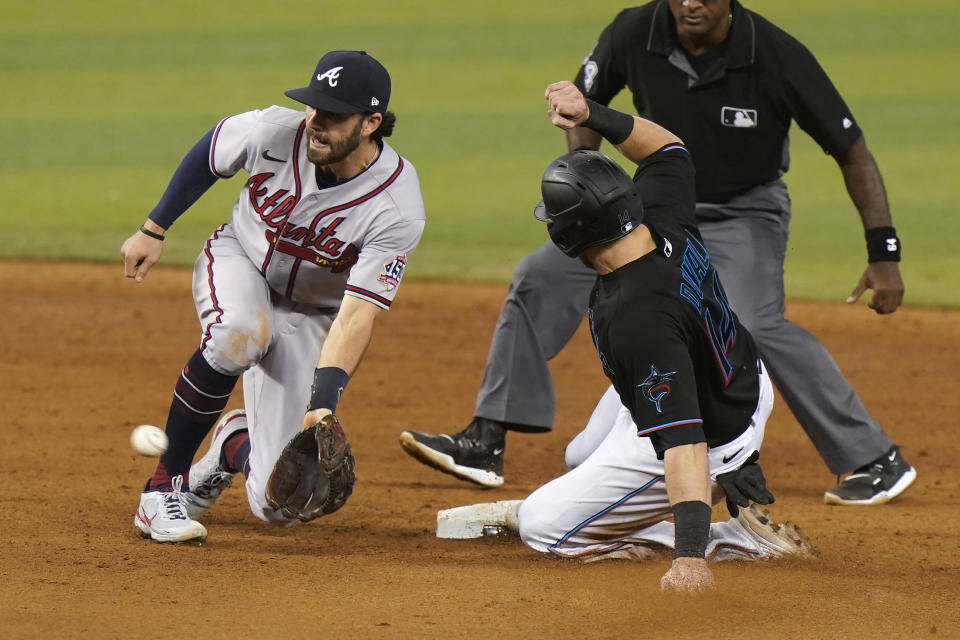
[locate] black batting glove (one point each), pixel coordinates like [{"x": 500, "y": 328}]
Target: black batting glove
[{"x": 744, "y": 484}]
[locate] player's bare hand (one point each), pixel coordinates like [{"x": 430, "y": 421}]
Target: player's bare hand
[
  {"x": 313, "y": 417},
  {"x": 887, "y": 285},
  {"x": 568, "y": 107},
  {"x": 140, "y": 252},
  {"x": 688, "y": 575}
]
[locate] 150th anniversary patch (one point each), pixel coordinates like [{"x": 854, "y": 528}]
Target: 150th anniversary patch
[{"x": 393, "y": 271}]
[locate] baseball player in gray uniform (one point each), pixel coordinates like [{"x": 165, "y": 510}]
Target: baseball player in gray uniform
[
  {"x": 729, "y": 83},
  {"x": 287, "y": 291}
]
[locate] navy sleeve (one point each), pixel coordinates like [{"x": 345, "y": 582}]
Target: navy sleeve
[{"x": 190, "y": 181}]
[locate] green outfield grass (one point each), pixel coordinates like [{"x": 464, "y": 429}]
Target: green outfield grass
[{"x": 101, "y": 99}]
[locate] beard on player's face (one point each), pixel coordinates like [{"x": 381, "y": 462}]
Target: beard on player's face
[{"x": 339, "y": 146}]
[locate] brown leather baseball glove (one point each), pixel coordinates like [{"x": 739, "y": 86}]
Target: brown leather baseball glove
[{"x": 314, "y": 474}]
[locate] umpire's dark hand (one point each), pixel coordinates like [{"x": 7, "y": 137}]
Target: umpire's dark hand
[
  {"x": 887, "y": 285},
  {"x": 744, "y": 484}
]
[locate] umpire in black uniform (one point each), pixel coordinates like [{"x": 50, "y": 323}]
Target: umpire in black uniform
[{"x": 729, "y": 83}]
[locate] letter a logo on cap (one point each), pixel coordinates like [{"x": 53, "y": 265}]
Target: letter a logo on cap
[{"x": 332, "y": 76}]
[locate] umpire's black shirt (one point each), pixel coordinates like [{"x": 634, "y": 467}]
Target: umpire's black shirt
[{"x": 734, "y": 114}]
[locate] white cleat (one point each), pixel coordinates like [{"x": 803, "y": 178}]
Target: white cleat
[
  {"x": 162, "y": 516},
  {"x": 207, "y": 478}
]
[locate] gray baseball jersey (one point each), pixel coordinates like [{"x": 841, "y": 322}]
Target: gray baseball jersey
[
  {"x": 268, "y": 284},
  {"x": 315, "y": 245}
]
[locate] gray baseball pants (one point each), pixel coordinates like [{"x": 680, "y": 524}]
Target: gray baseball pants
[{"x": 747, "y": 240}]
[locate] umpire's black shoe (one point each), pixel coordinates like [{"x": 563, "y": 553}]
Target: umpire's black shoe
[
  {"x": 474, "y": 454},
  {"x": 880, "y": 481}
]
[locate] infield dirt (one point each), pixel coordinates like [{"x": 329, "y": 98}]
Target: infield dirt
[{"x": 88, "y": 355}]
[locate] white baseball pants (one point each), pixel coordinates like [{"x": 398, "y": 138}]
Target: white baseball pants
[{"x": 615, "y": 493}]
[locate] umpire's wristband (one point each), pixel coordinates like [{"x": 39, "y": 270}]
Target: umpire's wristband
[
  {"x": 883, "y": 245},
  {"x": 691, "y": 529},
  {"x": 328, "y": 384}
]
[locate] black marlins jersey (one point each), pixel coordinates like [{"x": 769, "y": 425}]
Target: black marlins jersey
[{"x": 674, "y": 350}]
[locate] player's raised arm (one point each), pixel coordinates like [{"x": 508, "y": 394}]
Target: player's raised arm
[
  {"x": 191, "y": 180},
  {"x": 634, "y": 137}
]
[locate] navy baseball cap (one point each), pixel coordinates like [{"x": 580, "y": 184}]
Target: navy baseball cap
[{"x": 346, "y": 82}]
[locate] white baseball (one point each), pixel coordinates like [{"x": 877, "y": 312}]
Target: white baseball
[{"x": 148, "y": 440}]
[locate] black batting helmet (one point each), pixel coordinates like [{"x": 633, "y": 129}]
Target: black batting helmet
[{"x": 588, "y": 199}]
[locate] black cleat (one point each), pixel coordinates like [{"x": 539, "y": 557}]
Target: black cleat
[
  {"x": 474, "y": 454},
  {"x": 880, "y": 481}
]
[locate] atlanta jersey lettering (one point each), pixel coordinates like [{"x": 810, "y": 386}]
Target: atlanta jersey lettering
[{"x": 313, "y": 244}]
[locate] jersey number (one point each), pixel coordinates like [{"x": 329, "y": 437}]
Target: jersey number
[
  {"x": 701, "y": 288},
  {"x": 720, "y": 325}
]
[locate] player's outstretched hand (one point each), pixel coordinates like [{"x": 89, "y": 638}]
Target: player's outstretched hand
[
  {"x": 568, "y": 107},
  {"x": 688, "y": 575},
  {"x": 884, "y": 278},
  {"x": 140, "y": 252}
]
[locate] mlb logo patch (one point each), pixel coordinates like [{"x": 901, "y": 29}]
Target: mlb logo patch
[
  {"x": 393, "y": 272},
  {"x": 738, "y": 117}
]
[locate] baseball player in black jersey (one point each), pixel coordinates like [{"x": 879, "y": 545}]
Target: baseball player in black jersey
[
  {"x": 696, "y": 396},
  {"x": 729, "y": 83}
]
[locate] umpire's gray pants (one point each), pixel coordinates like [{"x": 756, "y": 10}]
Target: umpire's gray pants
[{"x": 550, "y": 292}]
